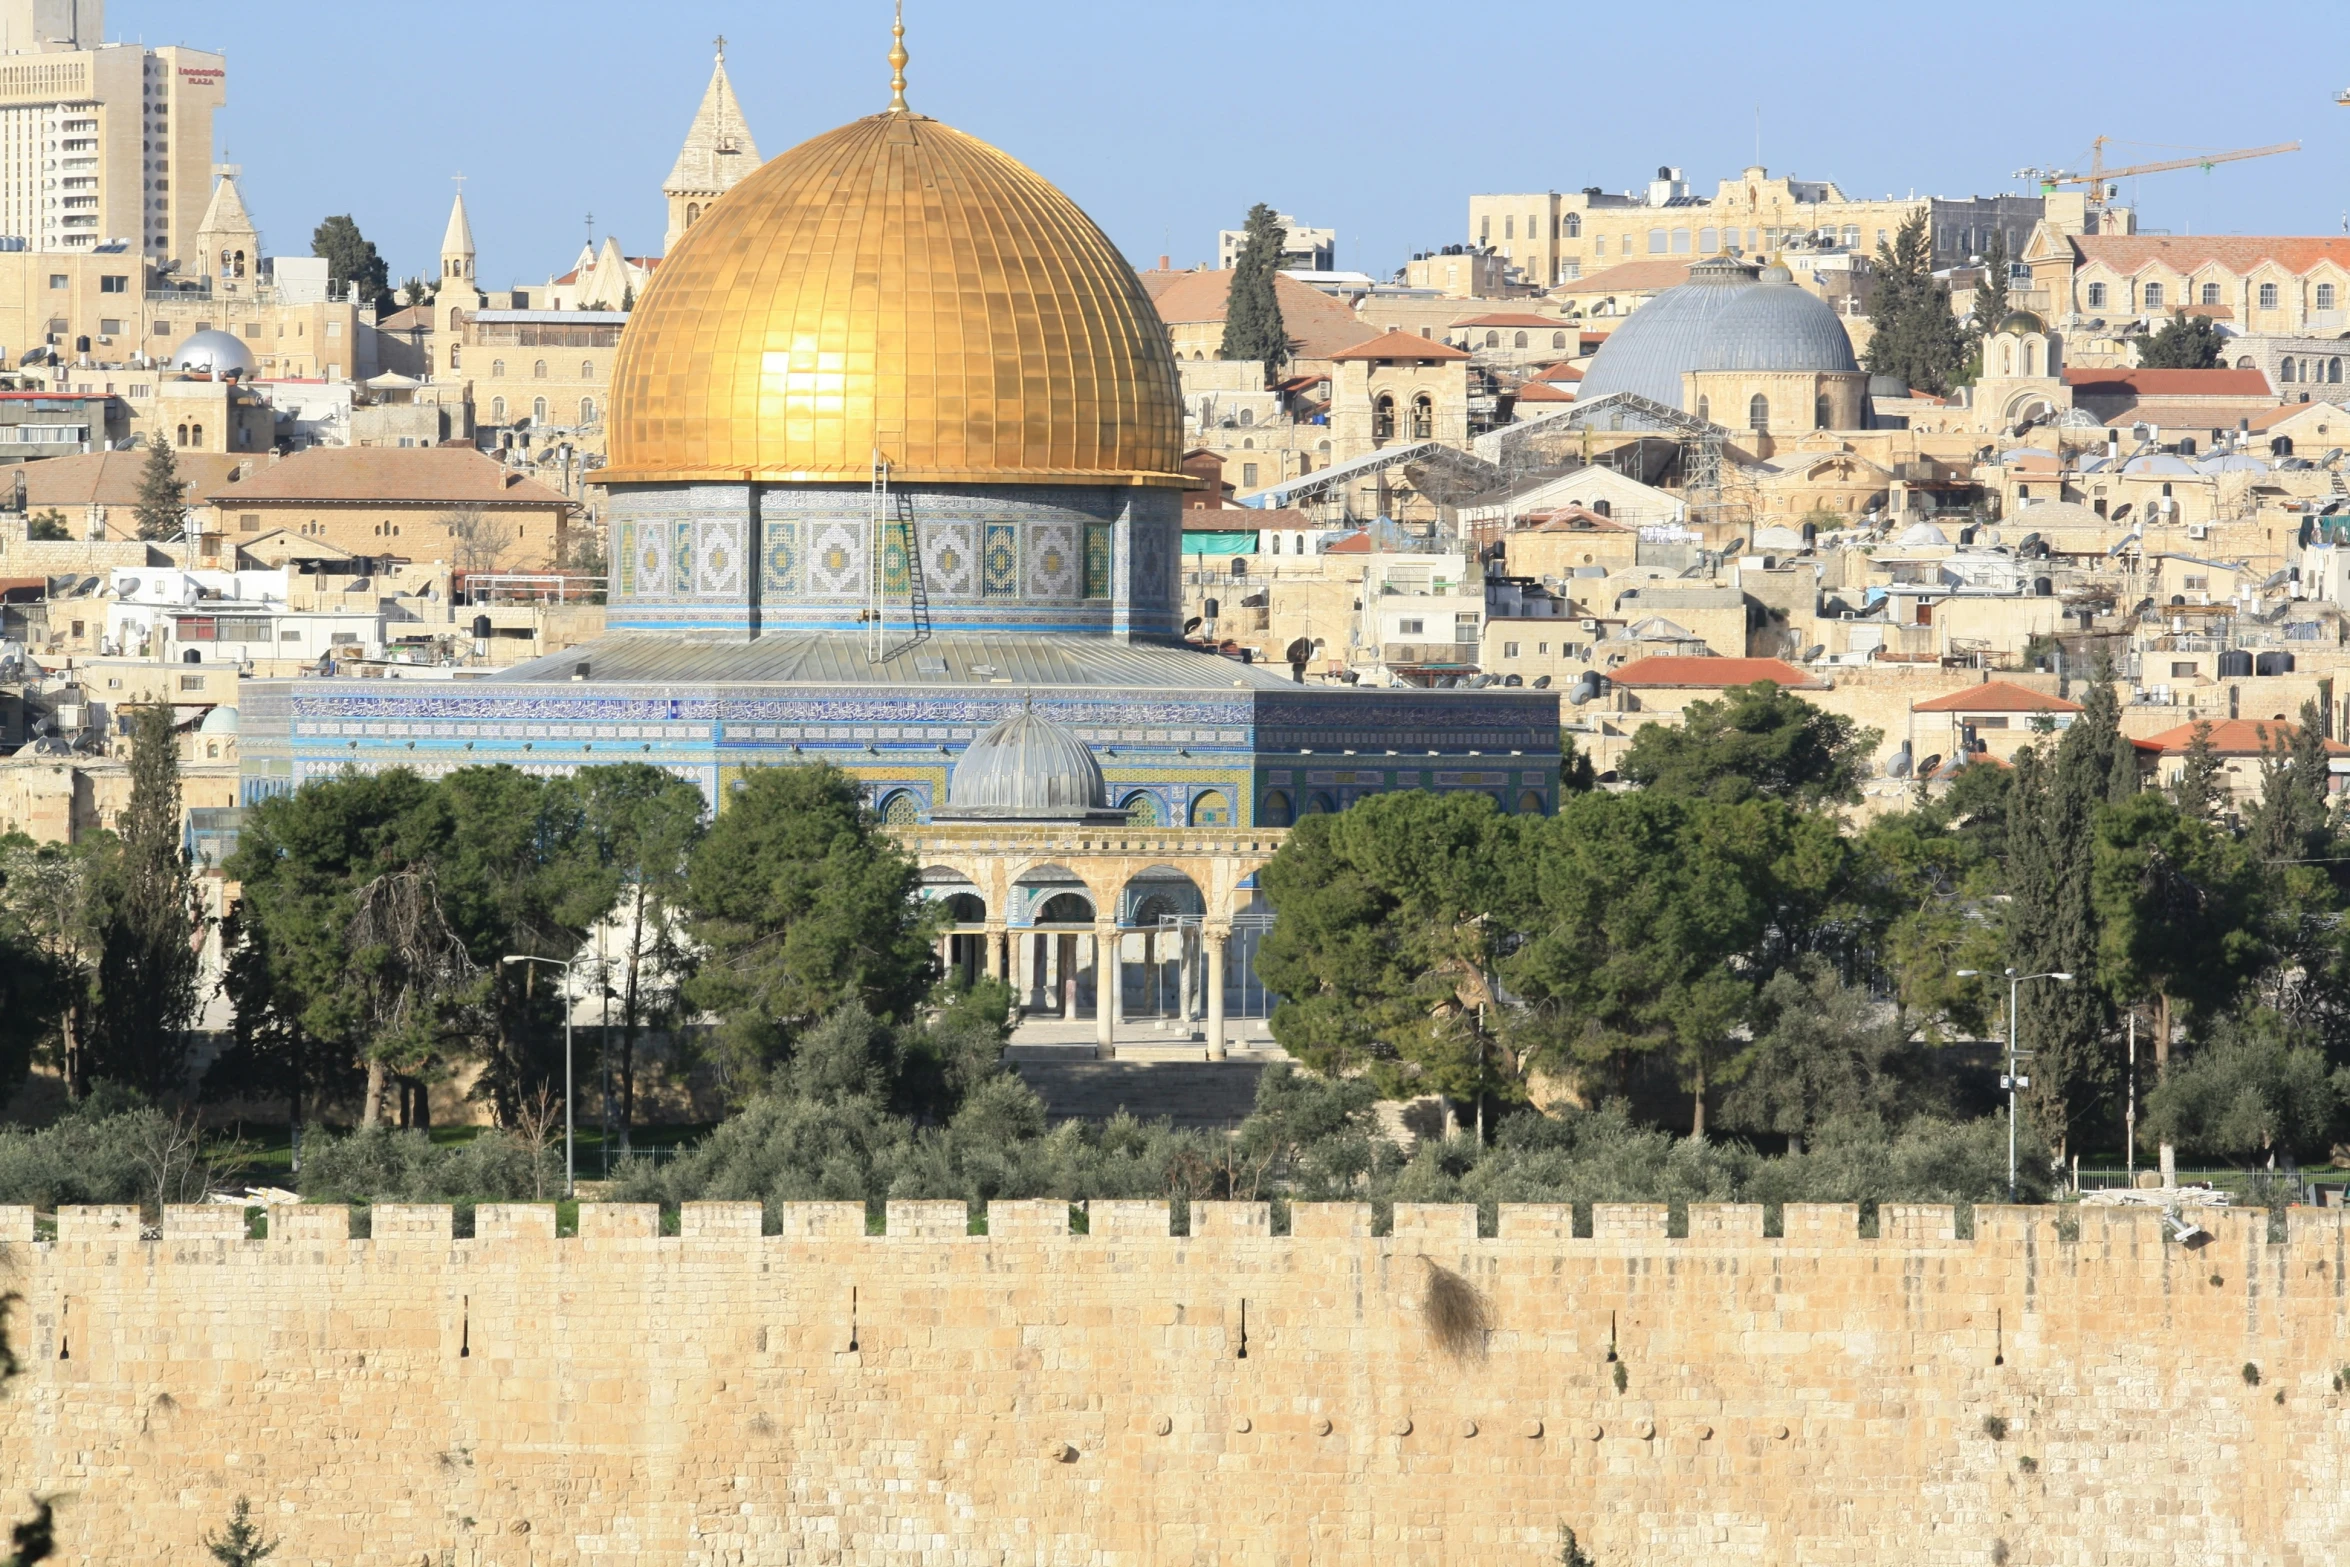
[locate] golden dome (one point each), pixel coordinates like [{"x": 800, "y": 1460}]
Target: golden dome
[{"x": 900, "y": 286}]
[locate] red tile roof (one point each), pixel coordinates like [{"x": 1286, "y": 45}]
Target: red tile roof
[
  {"x": 392, "y": 475},
  {"x": 1998, "y": 696},
  {"x": 1560, "y": 372},
  {"x": 1629, "y": 277},
  {"x": 2237, "y": 253},
  {"x": 1352, "y": 544},
  {"x": 2176, "y": 383},
  {"x": 1400, "y": 345},
  {"x": 2234, "y": 737},
  {"x": 1570, "y": 519},
  {"x": 1317, "y": 323},
  {"x": 1674, "y": 670},
  {"x": 1544, "y": 392}
]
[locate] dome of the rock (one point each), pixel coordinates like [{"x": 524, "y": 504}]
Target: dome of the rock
[{"x": 896, "y": 286}]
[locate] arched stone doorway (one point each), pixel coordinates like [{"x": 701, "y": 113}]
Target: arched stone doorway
[{"x": 1158, "y": 945}]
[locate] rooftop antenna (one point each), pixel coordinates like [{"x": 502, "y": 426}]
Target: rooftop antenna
[{"x": 897, "y": 62}]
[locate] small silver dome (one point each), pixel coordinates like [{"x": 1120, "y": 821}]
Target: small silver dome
[
  {"x": 215, "y": 353},
  {"x": 1026, "y": 768},
  {"x": 220, "y": 721},
  {"x": 1775, "y": 325}
]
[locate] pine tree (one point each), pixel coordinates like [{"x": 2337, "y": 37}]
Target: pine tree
[
  {"x": 2184, "y": 343},
  {"x": 351, "y": 258},
  {"x": 1252, "y": 313},
  {"x": 1914, "y": 338},
  {"x": 2199, "y": 791},
  {"x": 2289, "y": 822},
  {"x": 241, "y": 1544},
  {"x": 163, "y": 495},
  {"x": 147, "y": 961}
]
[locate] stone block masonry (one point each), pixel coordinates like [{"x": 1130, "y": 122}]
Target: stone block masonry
[{"x": 2035, "y": 1394}]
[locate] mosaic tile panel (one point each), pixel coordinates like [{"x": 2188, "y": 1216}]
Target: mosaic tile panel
[
  {"x": 624, "y": 557},
  {"x": 950, "y": 559},
  {"x": 681, "y": 571},
  {"x": 652, "y": 559},
  {"x": 719, "y": 572},
  {"x": 1001, "y": 572},
  {"x": 1053, "y": 560},
  {"x": 836, "y": 560},
  {"x": 779, "y": 567},
  {"x": 1097, "y": 560},
  {"x": 897, "y": 575}
]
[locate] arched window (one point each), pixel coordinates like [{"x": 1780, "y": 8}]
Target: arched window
[
  {"x": 538, "y": 411},
  {"x": 1530, "y": 803},
  {"x": 1571, "y": 226},
  {"x": 1823, "y": 414},
  {"x": 497, "y": 410},
  {"x": 2268, "y": 296},
  {"x": 587, "y": 369},
  {"x": 453, "y": 355},
  {"x": 538, "y": 370},
  {"x": 2097, "y": 296},
  {"x": 901, "y": 809},
  {"x": 1248, "y": 416},
  {"x": 2282, "y": 446},
  {"x": 2211, "y": 293},
  {"x": 183, "y": 437},
  {"x": 1319, "y": 804},
  {"x": 1142, "y": 810},
  {"x": 1278, "y": 810},
  {"x": 1383, "y": 418},
  {"x": 497, "y": 369},
  {"x": 693, "y": 213},
  {"x": 587, "y": 410},
  {"x": 1211, "y": 809},
  {"x": 2333, "y": 370},
  {"x": 1521, "y": 343},
  {"x": 1758, "y": 413},
  {"x": 1680, "y": 242},
  {"x": 2153, "y": 296},
  {"x": 1558, "y": 339},
  {"x": 196, "y": 434},
  {"x": 1493, "y": 340},
  {"x": 1705, "y": 408},
  {"x": 2285, "y": 371},
  {"x": 1248, "y": 443},
  {"x": 1657, "y": 241},
  {"x": 1239, "y": 566},
  {"x": 2006, "y": 357},
  {"x": 1423, "y": 418},
  {"x": 2031, "y": 358},
  {"x": 2325, "y": 296}
]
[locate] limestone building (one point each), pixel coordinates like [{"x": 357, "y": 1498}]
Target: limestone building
[
  {"x": 1557, "y": 237},
  {"x": 102, "y": 145}
]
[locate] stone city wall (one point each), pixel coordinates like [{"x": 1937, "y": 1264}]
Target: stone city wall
[{"x": 1233, "y": 1396}]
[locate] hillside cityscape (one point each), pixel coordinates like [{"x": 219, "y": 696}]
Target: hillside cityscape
[{"x": 731, "y": 908}]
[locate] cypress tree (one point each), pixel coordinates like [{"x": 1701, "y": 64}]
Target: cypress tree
[
  {"x": 147, "y": 961},
  {"x": 1991, "y": 298},
  {"x": 163, "y": 495},
  {"x": 2198, "y": 791},
  {"x": 1252, "y": 314},
  {"x": 1914, "y": 338}
]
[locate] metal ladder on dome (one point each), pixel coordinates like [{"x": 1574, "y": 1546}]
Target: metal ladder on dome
[{"x": 893, "y": 514}]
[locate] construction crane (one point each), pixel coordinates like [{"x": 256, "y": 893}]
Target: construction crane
[{"x": 2099, "y": 177}]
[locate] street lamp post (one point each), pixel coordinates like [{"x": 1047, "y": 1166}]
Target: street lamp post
[
  {"x": 570, "y": 1185},
  {"x": 2011, "y": 1080}
]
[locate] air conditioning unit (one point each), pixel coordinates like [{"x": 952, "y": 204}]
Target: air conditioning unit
[
  {"x": 2199, "y": 531},
  {"x": 1590, "y": 625}
]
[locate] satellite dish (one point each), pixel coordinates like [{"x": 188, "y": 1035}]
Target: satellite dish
[
  {"x": 127, "y": 588},
  {"x": 1299, "y": 651}
]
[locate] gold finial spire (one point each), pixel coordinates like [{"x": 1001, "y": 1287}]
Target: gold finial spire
[{"x": 897, "y": 62}]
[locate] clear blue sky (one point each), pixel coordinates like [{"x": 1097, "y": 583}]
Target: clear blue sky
[{"x": 1166, "y": 120}]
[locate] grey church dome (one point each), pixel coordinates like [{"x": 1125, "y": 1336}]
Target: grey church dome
[
  {"x": 1777, "y": 326},
  {"x": 214, "y": 353},
  {"x": 1669, "y": 335},
  {"x": 1024, "y": 769}
]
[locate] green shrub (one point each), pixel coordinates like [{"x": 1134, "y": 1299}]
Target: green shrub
[{"x": 385, "y": 1165}]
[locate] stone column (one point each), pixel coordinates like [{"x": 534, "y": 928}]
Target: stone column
[
  {"x": 1190, "y": 971},
  {"x": 1214, "y": 941},
  {"x": 995, "y": 952},
  {"x": 1107, "y": 984}
]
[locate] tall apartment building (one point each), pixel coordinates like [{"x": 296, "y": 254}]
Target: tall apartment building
[
  {"x": 1553, "y": 237},
  {"x": 101, "y": 145}
]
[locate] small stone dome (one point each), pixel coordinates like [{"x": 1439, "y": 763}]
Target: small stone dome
[
  {"x": 220, "y": 721},
  {"x": 214, "y": 353},
  {"x": 1026, "y": 769}
]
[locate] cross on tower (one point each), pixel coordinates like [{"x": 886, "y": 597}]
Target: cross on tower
[{"x": 722, "y": 46}]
